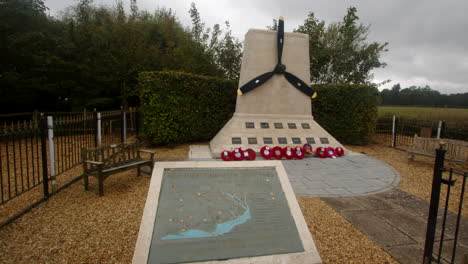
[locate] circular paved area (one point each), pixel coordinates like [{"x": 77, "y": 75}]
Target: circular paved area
[{"x": 350, "y": 175}]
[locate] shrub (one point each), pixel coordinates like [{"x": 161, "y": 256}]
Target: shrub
[
  {"x": 180, "y": 107},
  {"x": 348, "y": 112}
]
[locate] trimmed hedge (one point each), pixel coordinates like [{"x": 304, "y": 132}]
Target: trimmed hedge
[
  {"x": 348, "y": 112},
  {"x": 180, "y": 107}
]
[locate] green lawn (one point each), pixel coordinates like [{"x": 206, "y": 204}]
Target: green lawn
[{"x": 425, "y": 113}]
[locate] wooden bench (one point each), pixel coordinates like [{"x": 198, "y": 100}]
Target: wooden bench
[
  {"x": 104, "y": 161},
  {"x": 457, "y": 150}
]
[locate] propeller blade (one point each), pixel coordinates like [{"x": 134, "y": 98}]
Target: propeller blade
[
  {"x": 280, "y": 38},
  {"x": 254, "y": 83},
  {"x": 299, "y": 84}
]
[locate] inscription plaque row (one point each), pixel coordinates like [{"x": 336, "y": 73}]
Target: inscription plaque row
[
  {"x": 251, "y": 125},
  {"x": 280, "y": 140}
]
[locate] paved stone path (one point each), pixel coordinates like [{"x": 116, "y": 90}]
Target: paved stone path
[
  {"x": 396, "y": 221},
  {"x": 350, "y": 175}
]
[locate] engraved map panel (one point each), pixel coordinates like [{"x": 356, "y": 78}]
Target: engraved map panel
[{"x": 213, "y": 214}]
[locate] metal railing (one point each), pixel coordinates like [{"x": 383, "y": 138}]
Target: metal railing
[
  {"x": 399, "y": 132},
  {"x": 35, "y": 152},
  {"x": 21, "y": 164}
]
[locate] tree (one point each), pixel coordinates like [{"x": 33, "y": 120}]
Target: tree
[
  {"x": 274, "y": 26},
  {"x": 198, "y": 27},
  {"x": 91, "y": 56},
  {"x": 422, "y": 96},
  {"x": 339, "y": 52},
  {"x": 225, "y": 49}
]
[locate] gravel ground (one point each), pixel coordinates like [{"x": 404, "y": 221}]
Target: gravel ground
[
  {"x": 336, "y": 239},
  {"x": 80, "y": 227}
]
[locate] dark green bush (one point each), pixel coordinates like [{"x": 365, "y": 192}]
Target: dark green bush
[
  {"x": 348, "y": 112},
  {"x": 180, "y": 107}
]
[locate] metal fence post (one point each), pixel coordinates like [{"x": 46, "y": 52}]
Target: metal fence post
[
  {"x": 442, "y": 129},
  {"x": 95, "y": 125},
  {"x": 43, "y": 133},
  {"x": 123, "y": 127},
  {"x": 434, "y": 204},
  {"x": 439, "y": 127},
  {"x": 394, "y": 124},
  {"x": 98, "y": 130},
  {"x": 50, "y": 130},
  {"x": 137, "y": 121}
]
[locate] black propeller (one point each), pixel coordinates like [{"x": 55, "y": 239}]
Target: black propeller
[{"x": 279, "y": 69}]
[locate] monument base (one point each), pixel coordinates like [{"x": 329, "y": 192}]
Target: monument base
[{"x": 255, "y": 131}]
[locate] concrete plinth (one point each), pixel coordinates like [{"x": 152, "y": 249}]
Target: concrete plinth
[
  {"x": 275, "y": 113},
  {"x": 306, "y": 131}
]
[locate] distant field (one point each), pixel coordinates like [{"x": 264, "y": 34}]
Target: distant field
[{"x": 425, "y": 113}]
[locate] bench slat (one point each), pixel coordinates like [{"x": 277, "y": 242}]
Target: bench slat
[
  {"x": 132, "y": 164},
  {"x": 457, "y": 150},
  {"x": 103, "y": 161}
]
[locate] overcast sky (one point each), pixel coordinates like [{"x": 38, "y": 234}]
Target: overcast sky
[{"x": 428, "y": 40}]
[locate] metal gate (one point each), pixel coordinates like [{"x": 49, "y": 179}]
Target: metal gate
[{"x": 442, "y": 248}]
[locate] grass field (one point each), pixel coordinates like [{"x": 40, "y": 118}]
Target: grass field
[{"x": 425, "y": 113}]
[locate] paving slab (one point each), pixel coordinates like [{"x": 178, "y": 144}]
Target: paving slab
[
  {"x": 397, "y": 221},
  {"x": 376, "y": 229},
  {"x": 406, "y": 254},
  {"x": 350, "y": 175}
]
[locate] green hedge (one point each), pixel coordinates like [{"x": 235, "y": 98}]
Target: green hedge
[
  {"x": 180, "y": 107},
  {"x": 348, "y": 112}
]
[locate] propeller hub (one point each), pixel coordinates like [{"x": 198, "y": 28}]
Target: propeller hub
[{"x": 280, "y": 68}]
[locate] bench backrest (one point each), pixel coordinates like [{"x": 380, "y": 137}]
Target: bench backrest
[
  {"x": 456, "y": 149},
  {"x": 113, "y": 154}
]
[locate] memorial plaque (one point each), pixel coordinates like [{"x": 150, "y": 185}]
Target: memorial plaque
[
  {"x": 213, "y": 214},
  {"x": 252, "y": 140},
  {"x": 282, "y": 140},
  {"x": 305, "y": 125},
  {"x": 267, "y": 140},
  {"x": 236, "y": 140},
  {"x": 296, "y": 140},
  {"x": 278, "y": 125},
  {"x": 264, "y": 125},
  {"x": 249, "y": 125},
  {"x": 324, "y": 140},
  {"x": 292, "y": 125},
  {"x": 310, "y": 140}
]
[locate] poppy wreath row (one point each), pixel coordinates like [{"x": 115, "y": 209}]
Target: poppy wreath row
[
  {"x": 329, "y": 152},
  {"x": 279, "y": 153},
  {"x": 238, "y": 154}
]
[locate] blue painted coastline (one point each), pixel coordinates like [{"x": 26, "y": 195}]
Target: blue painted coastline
[{"x": 220, "y": 229}]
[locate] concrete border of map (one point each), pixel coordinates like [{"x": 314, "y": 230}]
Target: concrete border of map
[{"x": 310, "y": 254}]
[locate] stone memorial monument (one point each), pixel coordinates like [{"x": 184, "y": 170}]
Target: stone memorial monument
[{"x": 274, "y": 99}]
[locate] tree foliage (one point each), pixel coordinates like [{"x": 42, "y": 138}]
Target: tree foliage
[
  {"x": 339, "y": 52},
  {"x": 225, "y": 49},
  {"x": 422, "y": 96},
  {"x": 90, "y": 56},
  {"x": 347, "y": 111}
]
